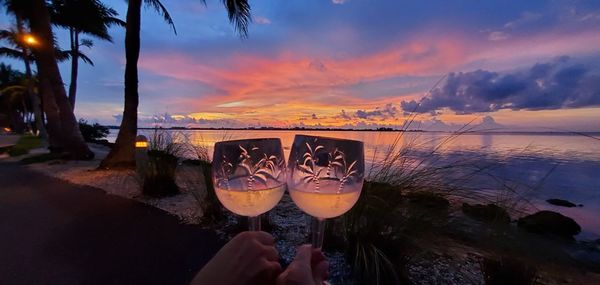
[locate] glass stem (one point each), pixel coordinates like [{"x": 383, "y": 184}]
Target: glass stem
[
  {"x": 254, "y": 223},
  {"x": 318, "y": 232}
]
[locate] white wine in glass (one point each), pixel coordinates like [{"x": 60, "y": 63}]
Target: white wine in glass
[
  {"x": 325, "y": 177},
  {"x": 249, "y": 176}
]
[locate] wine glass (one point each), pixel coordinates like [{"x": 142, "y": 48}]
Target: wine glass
[
  {"x": 325, "y": 177},
  {"x": 249, "y": 176}
]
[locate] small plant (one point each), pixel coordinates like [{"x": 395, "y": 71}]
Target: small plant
[
  {"x": 374, "y": 235},
  {"x": 198, "y": 155},
  {"x": 158, "y": 172},
  {"x": 92, "y": 132}
]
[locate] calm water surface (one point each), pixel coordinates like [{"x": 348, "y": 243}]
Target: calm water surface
[{"x": 542, "y": 166}]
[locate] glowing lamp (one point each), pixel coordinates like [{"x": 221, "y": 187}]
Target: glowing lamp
[
  {"x": 7, "y": 130},
  {"x": 141, "y": 142},
  {"x": 30, "y": 40}
]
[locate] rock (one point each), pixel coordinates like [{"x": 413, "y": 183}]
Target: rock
[
  {"x": 562, "y": 203},
  {"x": 548, "y": 222},
  {"x": 488, "y": 213}
]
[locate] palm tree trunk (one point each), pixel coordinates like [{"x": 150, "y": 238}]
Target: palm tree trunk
[
  {"x": 34, "y": 98},
  {"x": 123, "y": 153},
  {"x": 74, "y": 65},
  {"x": 55, "y": 140},
  {"x": 74, "y": 145}
]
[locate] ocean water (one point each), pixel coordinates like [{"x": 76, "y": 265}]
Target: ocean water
[{"x": 534, "y": 166}]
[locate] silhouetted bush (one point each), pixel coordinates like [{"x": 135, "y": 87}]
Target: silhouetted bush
[
  {"x": 375, "y": 232},
  {"x": 158, "y": 170},
  {"x": 92, "y": 132},
  {"x": 159, "y": 180},
  {"x": 490, "y": 213}
]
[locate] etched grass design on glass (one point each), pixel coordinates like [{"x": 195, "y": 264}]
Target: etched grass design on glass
[
  {"x": 325, "y": 177},
  {"x": 249, "y": 176}
]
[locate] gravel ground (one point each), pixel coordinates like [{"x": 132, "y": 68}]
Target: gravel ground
[{"x": 436, "y": 269}]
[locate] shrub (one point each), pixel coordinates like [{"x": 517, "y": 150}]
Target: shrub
[
  {"x": 159, "y": 180},
  {"x": 374, "y": 232},
  {"x": 92, "y": 132},
  {"x": 40, "y": 158},
  {"x": 212, "y": 209},
  {"x": 490, "y": 213},
  {"x": 158, "y": 171}
]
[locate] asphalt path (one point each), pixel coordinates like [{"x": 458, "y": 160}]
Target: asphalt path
[{"x": 54, "y": 232}]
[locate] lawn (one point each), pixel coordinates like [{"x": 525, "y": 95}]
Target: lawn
[{"x": 24, "y": 145}]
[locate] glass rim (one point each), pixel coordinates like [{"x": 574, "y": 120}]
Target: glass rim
[
  {"x": 327, "y": 138},
  {"x": 248, "y": 140}
]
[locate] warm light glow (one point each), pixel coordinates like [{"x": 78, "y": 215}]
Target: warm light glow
[
  {"x": 250, "y": 202},
  {"x": 7, "y": 130},
  {"x": 141, "y": 141},
  {"x": 30, "y": 40},
  {"x": 143, "y": 144}
]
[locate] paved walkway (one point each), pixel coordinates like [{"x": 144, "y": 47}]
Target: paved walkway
[
  {"x": 53, "y": 232},
  {"x": 8, "y": 140}
]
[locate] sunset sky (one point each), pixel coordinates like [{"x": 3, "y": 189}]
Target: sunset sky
[{"x": 357, "y": 63}]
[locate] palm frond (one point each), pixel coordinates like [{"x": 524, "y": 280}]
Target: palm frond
[
  {"x": 11, "y": 53},
  {"x": 161, "y": 9},
  {"x": 86, "y": 43},
  {"x": 13, "y": 89},
  {"x": 7, "y": 34},
  {"x": 62, "y": 55},
  {"x": 238, "y": 12},
  {"x": 112, "y": 20},
  {"x": 85, "y": 58}
]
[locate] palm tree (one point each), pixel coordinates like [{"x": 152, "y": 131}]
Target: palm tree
[
  {"x": 89, "y": 17},
  {"x": 123, "y": 152},
  {"x": 20, "y": 50},
  {"x": 13, "y": 100},
  {"x": 63, "y": 128}
]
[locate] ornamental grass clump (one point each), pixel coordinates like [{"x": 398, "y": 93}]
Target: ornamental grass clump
[
  {"x": 407, "y": 194},
  {"x": 158, "y": 171},
  {"x": 212, "y": 211}
]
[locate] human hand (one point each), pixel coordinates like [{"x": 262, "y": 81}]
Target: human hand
[
  {"x": 248, "y": 258},
  {"x": 308, "y": 268}
]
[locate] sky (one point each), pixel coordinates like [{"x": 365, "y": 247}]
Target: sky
[{"x": 515, "y": 65}]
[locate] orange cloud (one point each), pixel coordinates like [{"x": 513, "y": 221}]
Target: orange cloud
[{"x": 288, "y": 86}]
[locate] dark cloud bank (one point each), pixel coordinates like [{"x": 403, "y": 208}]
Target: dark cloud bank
[{"x": 545, "y": 86}]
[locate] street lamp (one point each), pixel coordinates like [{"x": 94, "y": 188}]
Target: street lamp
[{"x": 30, "y": 40}]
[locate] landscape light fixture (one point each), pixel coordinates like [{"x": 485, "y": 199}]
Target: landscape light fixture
[{"x": 141, "y": 142}]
